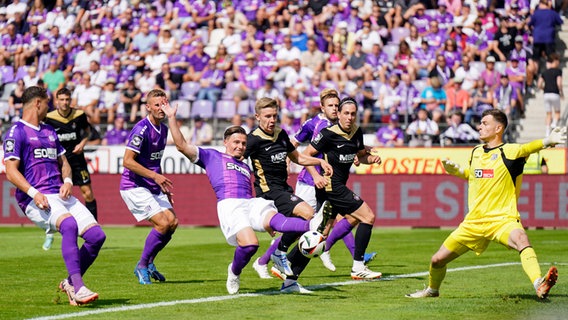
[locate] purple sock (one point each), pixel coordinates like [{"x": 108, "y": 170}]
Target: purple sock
[
  {"x": 165, "y": 240},
  {"x": 242, "y": 257},
  {"x": 281, "y": 223},
  {"x": 265, "y": 258},
  {"x": 70, "y": 251},
  {"x": 339, "y": 231},
  {"x": 154, "y": 242},
  {"x": 94, "y": 239},
  {"x": 349, "y": 241}
]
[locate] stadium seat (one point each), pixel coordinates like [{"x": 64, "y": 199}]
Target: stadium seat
[
  {"x": 183, "y": 111},
  {"x": 203, "y": 108},
  {"x": 8, "y": 88},
  {"x": 477, "y": 65},
  {"x": 420, "y": 85},
  {"x": 216, "y": 37},
  {"x": 178, "y": 34},
  {"x": 500, "y": 66},
  {"x": 431, "y": 12},
  {"x": 398, "y": 34},
  {"x": 225, "y": 109},
  {"x": 21, "y": 73},
  {"x": 244, "y": 108},
  {"x": 376, "y": 86},
  {"x": 391, "y": 50},
  {"x": 229, "y": 91},
  {"x": 279, "y": 85},
  {"x": 189, "y": 90}
]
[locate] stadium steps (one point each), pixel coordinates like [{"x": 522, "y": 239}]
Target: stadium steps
[{"x": 533, "y": 126}]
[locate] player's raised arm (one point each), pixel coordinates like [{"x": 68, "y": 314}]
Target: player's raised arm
[{"x": 190, "y": 151}]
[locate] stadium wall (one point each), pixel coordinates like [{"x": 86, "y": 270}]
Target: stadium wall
[{"x": 397, "y": 200}]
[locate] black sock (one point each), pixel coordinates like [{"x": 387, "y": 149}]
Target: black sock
[
  {"x": 298, "y": 262},
  {"x": 362, "y": 237},
  {"x": 287, "y": 240},
  {"x": 92, "y": 206}
]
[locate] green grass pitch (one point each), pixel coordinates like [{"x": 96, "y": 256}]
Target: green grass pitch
[{"x": 195, "y": 264}]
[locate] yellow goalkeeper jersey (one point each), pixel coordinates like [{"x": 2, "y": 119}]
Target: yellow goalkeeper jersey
[{"x": 494, "y": 180}]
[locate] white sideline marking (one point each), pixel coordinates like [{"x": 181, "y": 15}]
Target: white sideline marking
[{"x": 230, "y": 297}]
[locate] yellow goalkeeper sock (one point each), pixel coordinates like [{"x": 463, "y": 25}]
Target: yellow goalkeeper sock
[
  {"x": 530, "y": 263},
  {"x": 437, "y": 275}
]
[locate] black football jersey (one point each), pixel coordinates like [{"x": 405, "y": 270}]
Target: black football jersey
[
  {"x": 339, "y": 148},
  {"x": 70, "y": 130},
  {"x": 268, "y": 155}
]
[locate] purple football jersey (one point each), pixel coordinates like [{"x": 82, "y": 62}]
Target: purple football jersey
[
  {"x": 229, "y": 177},
  {"x": 304, "y": 176},
  {"x": 38, "y": 150},
  {"x": 149, "y": 143}
]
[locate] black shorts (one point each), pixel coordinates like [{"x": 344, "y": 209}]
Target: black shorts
[
  {"x": 539, "y": 48},
  {"x": 284, "y": 201},
  {"x": 343, "y": 200},
  {"x": 79, "y": 170}
]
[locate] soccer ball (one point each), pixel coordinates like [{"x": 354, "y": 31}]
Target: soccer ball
[{"x": 311, "y": 244}]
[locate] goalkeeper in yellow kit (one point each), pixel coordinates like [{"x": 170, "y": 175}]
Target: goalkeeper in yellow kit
[{"x": 494, "y": 178}]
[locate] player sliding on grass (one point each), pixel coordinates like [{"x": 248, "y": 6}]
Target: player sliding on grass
[
  {"x": 37, "y": 166},
  {"x": 494, "y": 177},
  {"x": 239, "y": 212}
]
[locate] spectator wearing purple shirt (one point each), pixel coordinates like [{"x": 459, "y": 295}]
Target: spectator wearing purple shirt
[
  {"x": 377, "y": 64},
  {"x": 409, "y": 96},
  {"x": 420, "y": 20},
  {"x": 478, "y": 42},
  {"x": 197, "y": 63},
  {"x": 391, "y": 135},
  {"x": 118, "y": 135},
  {"x": 445, "y": 19},
  {"x": 203, "y": 13},
  {"x": 144, "y": 189},
  {"x": 249, "y": 8},
  {"x": 13, "y": 46},
  {"x": 211, "y": 82},
  {"x": 164, "y": 8},
  {"x": 251, "y": 78},
  {"x": 154, "y": 21},
  {"x": 435, "y": 36},
  {"x": 505, "y": 97}
]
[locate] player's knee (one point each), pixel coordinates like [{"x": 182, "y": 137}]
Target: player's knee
[
  {"x": 68, "y": 226},
  {"x": 173, "y": 225}
]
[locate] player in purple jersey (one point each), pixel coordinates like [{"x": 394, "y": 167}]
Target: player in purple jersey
[
  {"x": 144, "y": 189},
  {"x": 239, "y": 212},
  {"x": 33, "y": 157}
]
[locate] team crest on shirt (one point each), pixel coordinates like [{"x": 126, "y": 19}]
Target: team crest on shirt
[
  {"x": 51, "y": 138},
  {"x": 293, "y": 198},
  {"x": 136, "y": 140},
  {"x": 356, "y": 197},
  {"x": 494, "y": 157},
  {"x": 9, "y": 145}
]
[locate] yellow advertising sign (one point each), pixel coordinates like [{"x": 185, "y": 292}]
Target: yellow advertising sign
[{"x": 429, "y": 160}]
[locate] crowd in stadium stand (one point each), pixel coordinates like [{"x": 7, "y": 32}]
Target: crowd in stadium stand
[{"x": 215, "y": 58}]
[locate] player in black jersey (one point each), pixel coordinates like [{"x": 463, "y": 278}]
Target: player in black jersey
[
  {"x": 269, "y": 147},
  {"x": 73, "y": 131},
  {"x": 339, "y": 145}
]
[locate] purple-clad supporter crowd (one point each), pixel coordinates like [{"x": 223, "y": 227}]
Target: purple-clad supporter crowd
[{"x": 216, "y": 58}]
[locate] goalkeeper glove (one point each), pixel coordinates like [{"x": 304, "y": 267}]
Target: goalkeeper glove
[
  {"x": 556, "y": 136},
  {"x": 452, "y": 167}
]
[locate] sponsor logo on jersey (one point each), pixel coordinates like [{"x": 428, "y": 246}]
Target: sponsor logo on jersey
[
  {"x": 483, "y": 173},
  {"x": 67, "y": 136},
  {"x": 47, "y": 153},
  {"x": 279, "y": 157},
  {"x": 234, "y": 166},
  {"x": 347, "y": 158},
  {"x": 156, "y": 155}
]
